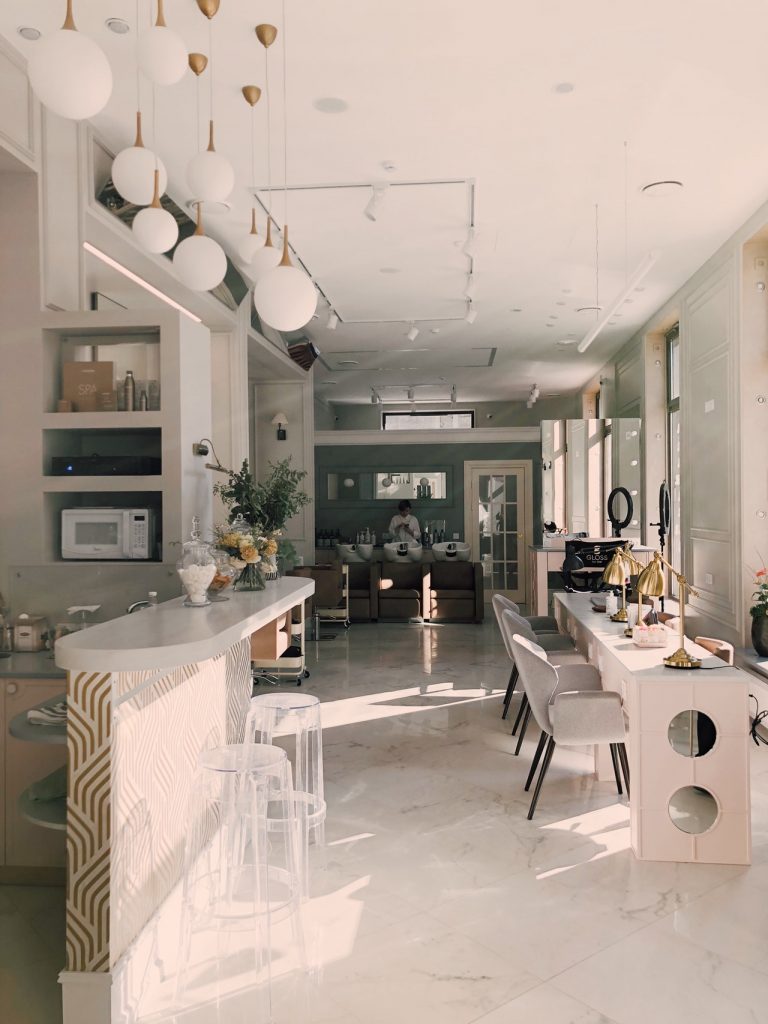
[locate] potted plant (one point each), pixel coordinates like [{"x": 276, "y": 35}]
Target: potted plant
[
  {"x": 759, "y": 613},
  {"x": 266, "y": 505}
]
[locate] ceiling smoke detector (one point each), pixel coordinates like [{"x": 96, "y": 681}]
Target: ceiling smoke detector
[
  {"x": 29, "y": 33},
  {"x": 118, "y": 25}
]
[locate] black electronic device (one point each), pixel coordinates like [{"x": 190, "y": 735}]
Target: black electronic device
[
  {"x": 585, "y": 562},
  {"x": 106, "y": 465}
]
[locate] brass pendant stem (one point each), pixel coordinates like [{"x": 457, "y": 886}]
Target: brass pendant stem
[
  {"x": 286, "y": 260},
  {"x": 156, "y": 196},
  {"x": 211, "y": 147},
  {"x": 208, "y": 7},
  {"x": 199, "y": 228},
  {"x": 254, "y": 230},
  {"x": 160, "y": 23},
  {"x": 266, "y": 34},
  {"x": 139, "y": 142},
  {"x": 69, "y": 20},
  {"x": 268, "y": 241},
  {"x": 198, "y": 62}
]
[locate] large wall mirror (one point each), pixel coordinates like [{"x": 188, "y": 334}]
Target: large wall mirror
[
  {"x": 355, "y": 485},
  {"x": 583, "y": 461}
]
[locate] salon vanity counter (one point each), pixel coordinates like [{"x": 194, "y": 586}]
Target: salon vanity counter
[{"x": 546, "y": 558}]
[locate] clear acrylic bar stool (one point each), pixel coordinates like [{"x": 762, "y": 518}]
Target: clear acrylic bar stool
[
  {"x": 243, "y": 877},
  {"x": 275, "y": 715}
]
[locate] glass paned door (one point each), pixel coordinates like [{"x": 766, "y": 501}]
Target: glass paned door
[{"x": 497, "y": 507}]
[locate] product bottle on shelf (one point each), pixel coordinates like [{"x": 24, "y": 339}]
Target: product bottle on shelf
[
  {"x": 129, "y": 391},
  {"x": 373, "y": 539},
  {"x": 152, "y": 598}
]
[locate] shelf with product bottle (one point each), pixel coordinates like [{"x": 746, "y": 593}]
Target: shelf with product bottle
[{"x": 142, "y": 458}]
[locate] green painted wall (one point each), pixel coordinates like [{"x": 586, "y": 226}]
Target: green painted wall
[{"x": 450, "y": 457}]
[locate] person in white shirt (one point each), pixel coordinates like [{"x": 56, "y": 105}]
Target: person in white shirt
[{"x": 404, "y": 526}]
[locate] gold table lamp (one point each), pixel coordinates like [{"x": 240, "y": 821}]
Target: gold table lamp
[
  {"x": 651, "y": 582},
  {"x": 615, "y": 575}
]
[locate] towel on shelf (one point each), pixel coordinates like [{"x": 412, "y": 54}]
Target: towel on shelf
[
  {"x": 49, "y": 714},
  {"x": 52, "y": 787}
]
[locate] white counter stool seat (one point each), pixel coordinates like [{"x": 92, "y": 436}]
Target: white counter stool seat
[
  {"x": 569, "y": 706},
  {"x": 560, "y": 649},
  {"x": 297, "y": 715},
  {"x": 243, "y": 870}
]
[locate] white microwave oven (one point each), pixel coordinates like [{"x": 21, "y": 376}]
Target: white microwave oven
[{"x": 108, "y": 533}]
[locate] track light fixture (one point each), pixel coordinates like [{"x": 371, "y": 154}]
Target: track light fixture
[
  {"x": 471, "y": 315},
  {"x": 411, "y": 394},
  {"x": 378, "y": 192},
  {"x": 469, "y": 291},
  {"x": 533, "y": 394},
  {"x": 470, "y": 246},
  {"x": 453, "y": 394},
  {"x": 333, "y": 321},
  {"x": 374, "y": 397},
  {"x": 413, "y": 333}
]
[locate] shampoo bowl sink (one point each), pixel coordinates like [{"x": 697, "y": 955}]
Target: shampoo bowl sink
[
  {"x": 402, "y": 552},
  {"x": 355, "y": 552},
  {"x": 451, "y": 551}
]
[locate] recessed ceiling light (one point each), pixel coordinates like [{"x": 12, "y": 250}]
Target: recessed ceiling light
[
  {"x": 560, "y": 302},
  {"x": 549, "y": 325},
  {"x": 660, "y": 189},
  {"x": 563, "y": 87},
  {"x": 330, "y": 105},
  {"x": 348, "y": 362},
  {"x": 567, "y": 291},
  {"x": 330, "y": 382},
  {"x": 589, "y": 309},
  {"x": 388, "y": 165},
  {"x": 434, "y": 330},
  {"x": 29, "y": 33},
  {"x": 640, "y": 289},
  {"x": 553, "y": 316},
  {"x": 389, "y": 270},
  {"x": 118, "y": 25},
  {"x": 566, "y": 341},
  {"x": 517, "y": 309}
]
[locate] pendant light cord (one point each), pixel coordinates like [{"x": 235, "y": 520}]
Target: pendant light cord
[
  {"x": 136, "y": 51},
  {"x": 626, "y": 213},
  {"x": 597, "y": 262},
  {"x": 210, "y": 66},
  {"x": 285, "y": 117},
  {"x": 269, "y": 134}
]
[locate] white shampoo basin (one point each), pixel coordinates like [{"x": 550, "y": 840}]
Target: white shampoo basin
[
  {"x": 402, "y": 552},
  {"x": 451, "y": 551},
  {"x": 355, "y": 552}
]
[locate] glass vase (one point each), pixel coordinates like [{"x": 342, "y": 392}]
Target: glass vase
[{"x": 250, "y": 578}]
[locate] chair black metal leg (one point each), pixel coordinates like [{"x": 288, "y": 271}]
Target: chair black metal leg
[
  {"x": 523, "y": 727},
  {"x": 513, "y": 677},
  {"x": 615, "y": 759},
  {"x": 624, "y": 762},
  {"x": 545, "y": 765},
  {"x": 520, "y": 713},
  {"x": 536, "y": 758}
]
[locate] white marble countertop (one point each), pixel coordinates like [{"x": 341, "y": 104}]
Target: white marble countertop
[{"x": 171, "y": 635}]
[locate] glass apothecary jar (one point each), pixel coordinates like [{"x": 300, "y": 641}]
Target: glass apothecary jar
[{"x": 196, "y": 568}]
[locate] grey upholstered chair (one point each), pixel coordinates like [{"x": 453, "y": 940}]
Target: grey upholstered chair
[
  {"x": 538, "y": 623},
  {"x": 570, "y": 706},
  {"x": 559, "y": 646}
]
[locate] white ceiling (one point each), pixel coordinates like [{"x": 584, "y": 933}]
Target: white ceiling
[{"x": 451, "y": 91}]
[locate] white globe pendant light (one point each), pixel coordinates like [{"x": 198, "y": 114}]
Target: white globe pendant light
[
  {"x": 70, "y": 73},
  {"x": 285, "y": 298},
  {"x": 199, "y": 261},
  {"x": 210, "y": 175},
  {"x": 162, "y": 53},
  {"x": 264, "y": 259},
  {"x": 133, "y": 171},
  {"x": 154, "y": 228}
]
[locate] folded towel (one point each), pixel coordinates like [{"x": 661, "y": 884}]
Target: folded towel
[
  {"x": 52, "y": 787},
  {"x": 48, "y": 714}
]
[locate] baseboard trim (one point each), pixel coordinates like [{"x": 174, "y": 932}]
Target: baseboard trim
[{"x": 86, "y": 997}]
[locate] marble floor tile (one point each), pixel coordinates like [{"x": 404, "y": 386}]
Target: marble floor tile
[
  {"x": 545, "y": 1005},
  {"x": 661, "y": 976}
]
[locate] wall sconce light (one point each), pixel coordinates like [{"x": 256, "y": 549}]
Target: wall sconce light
[{"x": 280, "y": 420}]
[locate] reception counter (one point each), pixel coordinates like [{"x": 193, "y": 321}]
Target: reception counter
[{"x": 146, "y": 694}]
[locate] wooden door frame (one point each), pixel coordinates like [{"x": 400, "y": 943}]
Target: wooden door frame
[{"x": 494, "y": 466}]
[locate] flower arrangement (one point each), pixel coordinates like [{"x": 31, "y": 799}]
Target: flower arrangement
[
  {"x": 246, "y": 550},
  {"x": 760, "y": 596}
]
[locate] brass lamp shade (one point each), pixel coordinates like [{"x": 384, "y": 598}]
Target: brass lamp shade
[
  {"x": 651, "y": 580},
  {"x": 615, "y": 573}
]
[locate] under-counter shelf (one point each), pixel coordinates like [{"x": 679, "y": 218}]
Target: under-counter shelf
[
  {"x": 100, "y": 420},
  {"x": 45, "y": 813},
  {"x": 23, "y": 729},
  {"x": 58, "y": 484}
]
